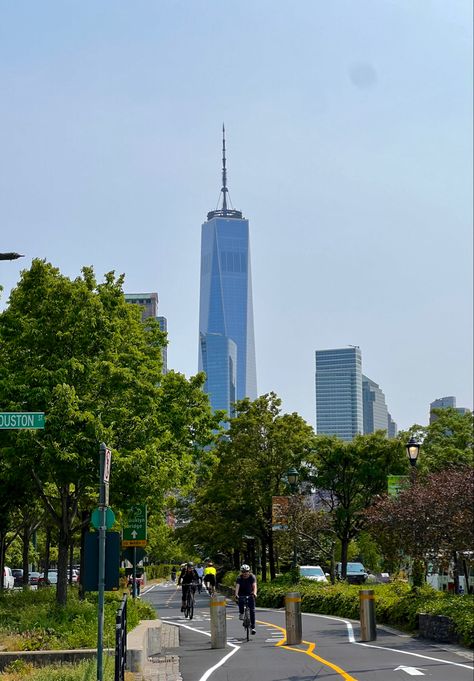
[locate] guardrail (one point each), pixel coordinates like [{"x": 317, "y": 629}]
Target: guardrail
[{"x": 121, "y": 640}]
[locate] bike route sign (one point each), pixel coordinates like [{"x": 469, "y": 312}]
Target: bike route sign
[{"x": 134, "y": 534}]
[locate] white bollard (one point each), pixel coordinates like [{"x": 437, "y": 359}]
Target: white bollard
[
  {"x": 294, "y": 629},
  {"x": 218, "y": 622}
]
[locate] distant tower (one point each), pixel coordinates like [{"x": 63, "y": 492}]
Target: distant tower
[
  {"x": 226, "y": 332},
  {"x": 339, "y": 392},
  {"x": 374, "y": 407},
  {"x": 448, "y": 402},
  {"x": 149, "y": 302}
]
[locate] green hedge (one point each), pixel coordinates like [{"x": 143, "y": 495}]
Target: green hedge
[
  {"x": 396, "y": 604},
  {"x": 159, "y": 571}
]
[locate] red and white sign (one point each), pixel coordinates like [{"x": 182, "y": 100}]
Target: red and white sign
[{"x": 107, "y": 464}]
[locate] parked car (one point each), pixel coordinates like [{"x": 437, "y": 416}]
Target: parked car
[
  {"x": 18, "y": 576},
  {"x": 355, "y": 573},
  {"x": 8, "y": 578},
  {"x": 33, "y": 578},
  {"x": 51, "y": 579},
  {"x": 314, "y": 572}
]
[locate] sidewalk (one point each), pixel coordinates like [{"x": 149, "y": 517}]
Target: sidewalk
[{"x": 163, "y": 667}]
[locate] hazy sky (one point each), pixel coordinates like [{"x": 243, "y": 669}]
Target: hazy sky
[{"x": 349, "y": 139}]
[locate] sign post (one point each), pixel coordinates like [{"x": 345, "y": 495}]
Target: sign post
[
  {"x": 134, "y": 535},
  {"x": 104, "y": 468}
]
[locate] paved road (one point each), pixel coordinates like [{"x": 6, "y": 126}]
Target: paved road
[{"x": 330, "y": 651}]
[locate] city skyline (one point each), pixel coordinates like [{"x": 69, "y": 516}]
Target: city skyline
[{"x": 351, "y": 156}]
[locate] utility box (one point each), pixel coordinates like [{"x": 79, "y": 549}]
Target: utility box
[{"x": 90, "y": 578}]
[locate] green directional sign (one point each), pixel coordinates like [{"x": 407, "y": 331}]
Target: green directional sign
[
  {"x": 21, "y": 419},
  {"x": 134, "y": 534},
  {"x": 109, "y": 518}
]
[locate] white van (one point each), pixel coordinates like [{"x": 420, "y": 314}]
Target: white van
[{"x": 8, "y": 578}]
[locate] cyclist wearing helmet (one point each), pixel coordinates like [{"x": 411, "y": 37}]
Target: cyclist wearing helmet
[
  {"x": 246, "y": 585},
  {"x": 210, "y": 576},
  {"x": 189, "y": 579}
]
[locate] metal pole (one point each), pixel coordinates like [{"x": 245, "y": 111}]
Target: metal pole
[
  {"x": 368, "y": 629},
  {"x": 101, "y": 575},
  {"x": 134, "y": 573},
  {"x": 218, "y": 622},
  {"x": 294, "y": 629}
]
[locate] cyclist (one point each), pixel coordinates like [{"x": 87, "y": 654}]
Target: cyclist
[
  {"x": 246, "y": 585},
  {"x": 200, "y": 571},
  {"x": 189, "y": 579},
  {"x": 210, "y": 576}
]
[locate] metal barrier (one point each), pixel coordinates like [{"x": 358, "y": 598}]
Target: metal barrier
[
  {"x": 121, "y": 640},
  {"x": 294, "y": 629},
  {"x": 368, "y": 629},
  {"x": 218, "y": 622}
]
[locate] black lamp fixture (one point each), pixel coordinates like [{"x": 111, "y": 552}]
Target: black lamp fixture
[
  {"x": 413, "y": 449},
  {"x": 292, "y": 476}
]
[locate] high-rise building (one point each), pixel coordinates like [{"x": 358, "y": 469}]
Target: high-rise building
[
  {"x": 339, "y": 392},
  {"x": 448, "y": 402},
  {"x": 226, "y": 332},
  {"x": 392, "y": 428},
  {"x": 149, "y": 303},
  {"x": 374, "y": 407}
]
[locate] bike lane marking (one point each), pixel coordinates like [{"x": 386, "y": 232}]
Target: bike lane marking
[
  {"x": 350, "y": 634},
  {"x": 308, "y": 651}
]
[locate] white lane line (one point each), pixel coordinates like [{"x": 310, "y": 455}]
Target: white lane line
[
  {"x": 207, "y": 673},
  {"x": 350, "y": 633}
]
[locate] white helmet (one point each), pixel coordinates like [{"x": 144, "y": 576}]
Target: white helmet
[{"x": 245, "y": 568}]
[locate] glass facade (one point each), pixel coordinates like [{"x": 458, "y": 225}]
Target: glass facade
[
  {"x": 149, "y": 303},
  {"x": 226, "y": 332},
  {"x": 339, "y": 392},
  {"x": 374, "y": 407}
]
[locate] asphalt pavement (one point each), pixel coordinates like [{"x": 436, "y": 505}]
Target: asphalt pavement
[{"x": 331, "y": 649}]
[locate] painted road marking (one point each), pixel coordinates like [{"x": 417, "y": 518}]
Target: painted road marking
[
  {"x": 309, "y": 651},
  {"x": 350, "y": 633},
  {"x": 413, "y": 671}
]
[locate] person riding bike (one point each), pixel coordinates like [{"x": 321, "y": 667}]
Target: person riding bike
[
  {"x": 210, "y": 576},
  {"x": 189, "y": 578},
  {"x": 246, "y": 585}
]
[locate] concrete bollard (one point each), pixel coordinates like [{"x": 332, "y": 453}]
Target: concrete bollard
[
  {"x": 294, "y": 629},
  {"x": 368, "y": 629},
  {"x": 218, "y": 622}
]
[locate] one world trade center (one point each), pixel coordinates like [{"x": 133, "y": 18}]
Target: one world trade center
[{"x": 226, "y": 333}]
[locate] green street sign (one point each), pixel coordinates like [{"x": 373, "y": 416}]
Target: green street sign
[
  {"x": 21, "y": 419},
  {"x": 109, "y": 518},
  {"x": 135, "y": 532},
  {"x": 395, "y": 483}
]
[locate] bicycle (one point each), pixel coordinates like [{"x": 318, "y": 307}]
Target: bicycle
[
  {"x": 189, "y": 607},
  {"x": 246, "y": 620}
]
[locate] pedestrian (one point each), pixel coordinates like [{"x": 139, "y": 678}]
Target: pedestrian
[{"x": 173, "y": 573}]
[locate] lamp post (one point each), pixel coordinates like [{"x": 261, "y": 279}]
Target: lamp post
[
  {"x": 10, "y": 256},
  {"x": 413, "y": 450},
  {"x": 292, "y": 476}
]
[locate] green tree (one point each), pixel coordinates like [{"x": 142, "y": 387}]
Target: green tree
[
  {"x": 253, "y": 457},
  {"x": 77, "y": 351},
  {"x": 348, "y": 477}
]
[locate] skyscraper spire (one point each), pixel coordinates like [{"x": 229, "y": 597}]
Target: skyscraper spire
[
  {"x": 225, "y": 211},
  {"x": 224, "y": 189}
]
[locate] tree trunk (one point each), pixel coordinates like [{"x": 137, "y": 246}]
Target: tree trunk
[
  {"x": 85, "y": 521},
  {"x": 344, "y": 551},
  {"x": 2, "y": 557},
  {"x": 26, "y": 534},
  {"x": 264, "y": 559},
  {"x": 332, "y": 569},
  {"x": 271, "y": 555},
  {"x": 63, "y": 552},
  {"x": 47, "y": 551}
]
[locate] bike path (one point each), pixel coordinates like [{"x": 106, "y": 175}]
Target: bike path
[{"x": 331, "y": 649}]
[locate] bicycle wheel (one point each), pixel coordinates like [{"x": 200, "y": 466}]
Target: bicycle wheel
[
  {"x": 247, "y": 622},
  {"x": 191, "y": 607}
]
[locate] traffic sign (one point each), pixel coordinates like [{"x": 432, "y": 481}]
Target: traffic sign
[
  {"x": 21, "y": 420},
  {"x": 107, "y": 464},
  {"x": 109, "y": 518},
  {"x": 134, "y": 534}
]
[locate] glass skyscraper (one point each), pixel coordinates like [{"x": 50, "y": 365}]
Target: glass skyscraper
[
  {"x": 226, "y": 332},
  {"x": 339, "y": 392},
  {"x": 374, "y": 407}
]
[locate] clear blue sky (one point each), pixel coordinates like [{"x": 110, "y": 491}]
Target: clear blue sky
[{"x": 349, "y": 135}]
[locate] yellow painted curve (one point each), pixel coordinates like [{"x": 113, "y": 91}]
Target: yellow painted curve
[{"x": 309, "y": 651}]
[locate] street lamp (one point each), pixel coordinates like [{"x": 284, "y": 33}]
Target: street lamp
[
  {"x": 10, "y": 256},
  {"x": 292, "y": 476},
  {"x": 413, "y": 449}
]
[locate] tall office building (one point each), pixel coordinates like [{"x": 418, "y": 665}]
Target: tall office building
[
  {"x": 226, "y": 333},
  {"x": 448, "y": 402},
  {"x": 374, "y": 407},
  {"x": 149, "y": 302},
  {"x": 392, "y": 428},
  {"x": 339, "y": 392}
]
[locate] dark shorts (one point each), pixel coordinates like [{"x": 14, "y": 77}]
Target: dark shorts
[{"x": 210, "y": 579}]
